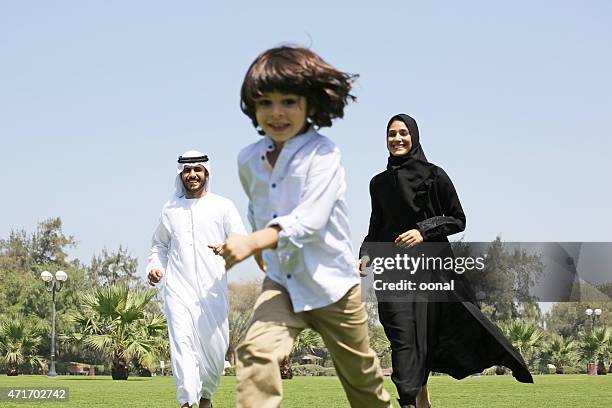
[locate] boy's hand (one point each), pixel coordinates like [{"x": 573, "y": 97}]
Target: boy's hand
[
  {"x": 260, "y": 262},
  {"x": 154, "y": 276},
  {"x": 409, "y": 238},
  {"x": 237, "y": 248}
]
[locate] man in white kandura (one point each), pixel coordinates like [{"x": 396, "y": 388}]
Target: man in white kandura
[{"x": 193, "y": 280}]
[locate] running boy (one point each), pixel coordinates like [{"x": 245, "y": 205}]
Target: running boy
[{"x": 296, "y": 186}]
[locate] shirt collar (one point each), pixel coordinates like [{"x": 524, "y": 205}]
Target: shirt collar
[{"x": 292, "y": 144}]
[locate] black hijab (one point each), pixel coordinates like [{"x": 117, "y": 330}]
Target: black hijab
[{"x": 411, "y": 170}]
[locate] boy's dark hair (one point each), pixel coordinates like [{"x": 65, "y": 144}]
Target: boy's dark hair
[{"x": 299, "y": 71}]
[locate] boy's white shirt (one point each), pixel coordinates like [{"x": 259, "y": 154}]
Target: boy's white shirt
[{"x": 304, "y": 194}]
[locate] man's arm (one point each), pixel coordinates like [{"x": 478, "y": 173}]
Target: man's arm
[{"x": 158, "y": 259}]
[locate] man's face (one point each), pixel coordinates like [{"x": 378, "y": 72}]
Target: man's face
[{"x": 194, "y": 178}]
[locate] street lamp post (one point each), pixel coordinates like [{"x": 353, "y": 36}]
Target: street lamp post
[
  {"x": 594, "y": 315},
  {"x": 593, "y": 368},
  {"x": 51, "y": 285}
]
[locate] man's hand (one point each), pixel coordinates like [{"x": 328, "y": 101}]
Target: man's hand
[
  {"x": 409, "y": 238},
  {"x": 216, "y": 248},
  {"x": 237, "y": 248},
  {"x": 361, "y": 265},
  {"x": 154, "y": 276}
]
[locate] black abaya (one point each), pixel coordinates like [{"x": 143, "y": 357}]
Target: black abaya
[{"x": 448, "y": 337}]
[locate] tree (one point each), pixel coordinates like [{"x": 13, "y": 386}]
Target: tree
[
  {"x": 20, "y": 341},
  {"x": 594, "y": 346},
  {"x": 504, "y": 285},
  {"x": 526, "y": 337},
  {"x": 242, "y": 297},
  {"x": 568, "y": 318},
  {"x": 48, "y": 244},
  {"x": 378, "y": 339},
  {"x": 112, "y": 320},
  {"x": 306, "y": 342},
  {"x": 110, "y": 268},
  {"x": 560, "y": 352}
]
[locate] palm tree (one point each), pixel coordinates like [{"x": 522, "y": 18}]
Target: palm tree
[
  {"x": 112, "y": 321},
  {"x": 20, "y": 338},
  {"x": 306, "y": 342},
  {"x": 602, "y": 336},
  {"x": 560, "y": 352},
  {"x": 609, "y": 350},
  {"x": 594, "y": 346},
  {"x": 525, "y": 337}
]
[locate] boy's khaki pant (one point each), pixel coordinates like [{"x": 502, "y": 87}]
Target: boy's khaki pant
[{"x": 343, "y": 328}]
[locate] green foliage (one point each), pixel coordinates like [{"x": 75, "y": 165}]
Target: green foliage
[
  {"x": 526, "y": 337},
  {"x": 568, "y": 319},
  {"x": 110, "y": 268},
  {"x": 560, "y": 352},
  {"x": 595, "y": 344},
  {"x": 112, "y": 321},
  {"x": 307, "y": 342},
  {"x": 506, "y": 281},
  {"x": 20, "y": 341},
  {"x": 242, "y": 297}
]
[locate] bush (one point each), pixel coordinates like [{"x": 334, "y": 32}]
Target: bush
[
  {"x": 311, "y": 370},
  {"x": 230, "y": 371}
]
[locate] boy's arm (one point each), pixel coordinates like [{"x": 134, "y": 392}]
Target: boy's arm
[
  {"x": 324, "y": 184},
  {"x": 239, "y": 247}
]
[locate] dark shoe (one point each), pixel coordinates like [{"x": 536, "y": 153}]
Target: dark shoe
[{"x": 404, "y": 405}]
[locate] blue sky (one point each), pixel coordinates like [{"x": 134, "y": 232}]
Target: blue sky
[{"x": 98, "y": 98}]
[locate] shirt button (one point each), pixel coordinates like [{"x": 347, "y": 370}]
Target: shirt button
[
  {"x": 273, "y": 185},
  {"x": 274, "y": 215},
  {"x": 263, "y": 157},
  {"x": 289, "y": 276}
]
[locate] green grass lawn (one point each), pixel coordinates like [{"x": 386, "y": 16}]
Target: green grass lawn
[{"x": 326, "y": 392}]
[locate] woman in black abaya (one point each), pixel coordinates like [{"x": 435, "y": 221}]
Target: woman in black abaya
[{"x": 414, "y": 201}]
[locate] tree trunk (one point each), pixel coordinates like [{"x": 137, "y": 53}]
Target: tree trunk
[
  {"x": 231, "y": 355},
  {"x": 119, "y": 370},
  {"x": 12, "y": 371},
  {"x": 285, "y": 369},
  {"x": 559, "y": 370},
  {"x": 601, "y": 368}
]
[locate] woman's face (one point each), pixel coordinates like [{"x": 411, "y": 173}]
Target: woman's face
[{"x": 399, "y": 141}]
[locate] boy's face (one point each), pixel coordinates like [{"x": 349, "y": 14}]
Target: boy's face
[
  {"x": 194, "y": 179},
  {"x": 280, "y": 115}
]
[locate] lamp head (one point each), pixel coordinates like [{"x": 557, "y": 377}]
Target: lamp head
[
  {"x": 589, "y": 311},
  {"x": 61, "y": 276},
  {"x": 597, "y": 312},
  {"x": 46, "y": 276}
]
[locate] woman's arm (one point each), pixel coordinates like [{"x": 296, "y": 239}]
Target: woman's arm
[
  {"x": 452, "y": 219},
  {"x": 375, "y": 222}
]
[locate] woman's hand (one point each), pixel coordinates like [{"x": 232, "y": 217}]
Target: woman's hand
[
  {"x": 409, "y": 238},
  {"x": 361, "y": 265}
]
